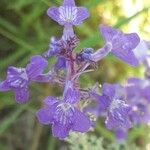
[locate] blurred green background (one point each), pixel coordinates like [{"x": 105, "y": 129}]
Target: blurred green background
[{"x": 25, "y": 30}]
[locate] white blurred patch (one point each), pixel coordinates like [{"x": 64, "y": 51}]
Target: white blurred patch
[{"x": 141, "y": 51}]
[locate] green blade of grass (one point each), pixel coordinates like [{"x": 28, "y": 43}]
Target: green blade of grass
[
  {"x": 9, "y": 26},
  {"x": 17, "y": 40},
  {"x": 11, "y": 58},
  {"x": 6, "y": 124}
]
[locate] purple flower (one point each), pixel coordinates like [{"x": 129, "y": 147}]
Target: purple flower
[
  {"x": 102, "y": 102},
  {"x": 138, "y": 97},
  {"x": 68, "y": 13},
  {"x": 63, "y": 116},
  {"x": 117, "y": 110},
  {"x": 18, "y": 79},
  {"x": 122, "y": 44},
  {"x": 138, "y": 88}
]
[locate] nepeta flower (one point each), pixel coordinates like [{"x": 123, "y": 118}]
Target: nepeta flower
[
  {"x": 68, "y": 13},
  {"x": 63, "y": 116},
  {"x": 138, "y": 97},
  {"x": 138, "y": 88},
  {"x": 117, "y": 109},
  {"x": 122, "y": 44},
  {"x": 18, "y": 79}
]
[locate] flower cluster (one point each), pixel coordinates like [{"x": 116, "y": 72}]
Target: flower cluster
[{"x": 67, "y": 113}]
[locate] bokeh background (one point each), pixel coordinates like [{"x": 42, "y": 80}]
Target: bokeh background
[{"x": 25, "y": 30}]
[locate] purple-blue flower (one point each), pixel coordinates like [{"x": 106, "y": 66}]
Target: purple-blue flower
[
  {"x": 63, "y": 116},
  {"x": 139, "y": 99},
  {"x": 122, "y": 44},
  {"x": 138, "y": 88},
  {"x": 117, "y": 108},
  {"x": 68, "y": 13},
  {"x": 18, "y": 79}
]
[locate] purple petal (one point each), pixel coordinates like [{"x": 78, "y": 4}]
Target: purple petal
[
  {"x": 36, "y": 66},
  {"x": 114, "y": 91},
  {"x": 45, "y": 115},
  {"x": 109, "y": 89},
  {"x": 81, "y": 123},
  {"x": 118, "y": 117},
  {"x": 82, "y": 14},
  {"x": 146, "y": 93},
  {"x": 103, "y": 101},
  {"x": 53, "y": 13},
  {"x": 138, "y": 88},
  {"x": 68, "y": 14},
  {"x": 135, "y": 117},
  {"x": 71, "y": 94},
  {"x": 50, "y": 100},
  {"x": 43, "y": 77},
  {"x": 122, "y": 46},
  {"x": 4, "y": 86},
  {"x": 107, "y": 32},
  {"x": 14, "y": 71},
  {"x": 101, "y": 53},
  {"x": 69, "y": 3},
  {"x": 134, "y": 80},
  {"x": 22, "y": 95},
  {"x": 60, "y": 131},
  {"x": 17, "y": 77}
]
